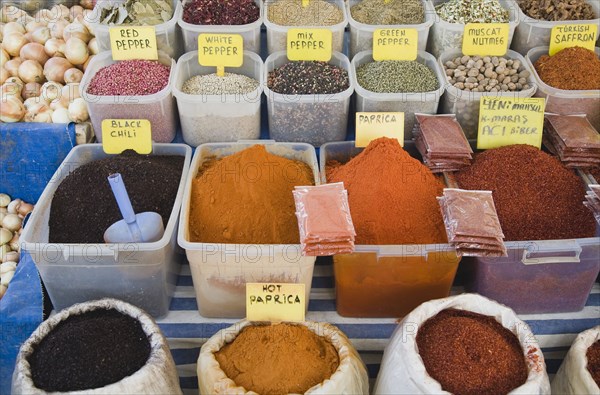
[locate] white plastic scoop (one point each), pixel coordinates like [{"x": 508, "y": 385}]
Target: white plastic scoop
[{"x": 133, "y": 228}]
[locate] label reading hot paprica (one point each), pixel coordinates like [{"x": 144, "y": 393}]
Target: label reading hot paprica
[
  {"x": 133, "y": 42},
  {"x": 395, "y": 44},
  {"x": 509, "y": 120},
  {"x": 485, "y": 39},
  {"x": 275, "y": 302},
  {"x": 372, "y": 125},
  {"x": 576, "y": 35},
  {"x": 220, "y": 50},
  {"x": 119, "y": 135},
  {"x": 309, "y": 44}
]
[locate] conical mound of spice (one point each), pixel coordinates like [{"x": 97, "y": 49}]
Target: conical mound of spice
[
  {"x": 574, "y": 68},
  {"x": 392, "y": 196},
  {"x": 246, "y": 198}
]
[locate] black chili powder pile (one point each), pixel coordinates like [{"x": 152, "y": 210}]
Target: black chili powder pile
[
  {"x": 90, "y": 350},
  {"x": 308, "y": 78},
  {"x": 593, "y": 365},
  {"x": 536, "y": 197},
  {"x": 471, "y": 354},
  {"x": 83, "y": 206}
]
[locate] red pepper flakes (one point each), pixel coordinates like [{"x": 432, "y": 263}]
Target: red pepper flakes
[
  {"x": 220, "y": 12},
  {"x": 130, "y": 78},
  {"x": 593, "y": 357}
]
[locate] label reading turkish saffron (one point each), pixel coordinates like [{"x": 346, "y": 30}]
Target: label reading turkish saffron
[
  {"x": 119, "y": 135},
  {"x": 275, "y": 302},
  {"x": 507, "y": 120},
  {"x": 133, "y": 42},
  {"x": 309, "y": 44},
  {"x": 372, "y": 125},
  {"x": 485, "y": 39},
  {"x": 220, "y": 51},
  {"x": 395, "y": 44},
  {"x": 565, "y": 36}
]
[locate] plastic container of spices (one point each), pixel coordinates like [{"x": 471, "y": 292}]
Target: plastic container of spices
[
  {"x": 277, "y": 34},
  {"x": 465, "y": 104},
  {"x": 142, "y": 274},
  {"x": 158, "y": 108},
  {"x": 250, "y": 32},
  {"x": 565, "y": 102},
  {"x": 220, "y": 271},
  {"x": 361, "y": 34},
  {"x": 168, "y": 38},
  {"x": 312, "y": 119},
  {"x": 218, "y": 118},
  {"x": 387, "y": 280},
  {"x": 445, "y": 35},
  {"x": 531, "y": 33},
  {"x": 409, "y": 103}
]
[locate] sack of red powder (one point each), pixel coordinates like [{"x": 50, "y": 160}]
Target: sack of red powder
[{"x": 580, "y": 370}]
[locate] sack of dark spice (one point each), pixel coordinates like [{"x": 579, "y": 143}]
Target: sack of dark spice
[
  {"x": 444, "y": 346},
  {"x": 101, "y": 347},
  {"x": 579, "y": 372}
]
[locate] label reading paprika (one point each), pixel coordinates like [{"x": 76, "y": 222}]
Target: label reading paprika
[
  {"x": 507, "y": 120},
  {"x": 133, "y": 42},
  {"x": 220, "y": 51},
  {"x": 119, "y": 135},
  {"x": 275, "y": 302},
  {"x": 485, "y": 39},
  {"x": 372, "y": 125},
  {"x": 395, "y": 44},
  {"x": 566, "y": 36},
  {"x": 309, "y": 44}
]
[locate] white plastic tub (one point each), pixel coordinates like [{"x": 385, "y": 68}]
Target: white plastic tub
[
  {"x": 218, "y": 118},
  {"x": 220, "y": 271},
  {"x": 142, "y": 274},
  {"x": 250, "y": 32},
  {"x": 408, "y": 103},
  {"x": 158, "y": 108},
  {"x": 445, "y": 35},
  {"x": 465, "y": 104},
  {"x": 564, "y": 102},
  {"x": 531, "y": 33},
  {"x": 312, "y": 119},
  {"x": 277, "y": 34},
  {"x": 168, "y": 39},
  {"x": 361, "y": 34}
]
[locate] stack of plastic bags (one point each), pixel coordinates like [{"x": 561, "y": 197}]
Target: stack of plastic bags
[
  {"x": 324, "y": 220},
  {"x": 472, "y": 222},
  {"x": 573, "y": 139},
  {"x": 442, "y": 142},
  {"x": 593, "y": 201}
]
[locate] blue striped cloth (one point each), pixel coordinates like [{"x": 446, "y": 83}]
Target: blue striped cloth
[{"x": 186, "y": 330}]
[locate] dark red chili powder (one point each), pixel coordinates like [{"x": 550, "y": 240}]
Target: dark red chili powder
[
  {"x": 220, "y": 12},
  {"x": 593, "y": 365},
  {"x": 471, "y": 354},
  {"x": 536, "y": 197}
]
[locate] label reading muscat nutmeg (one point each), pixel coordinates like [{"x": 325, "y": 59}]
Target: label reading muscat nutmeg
[
  {"x": 220, "y": 51},
  {"x": 395, "y": 44},
  {"x": 133, "y": 42},
  {"x": 506, "y": 121},
  {"x": 275, "y": 302},
  {"x": 485, "y": 39},
  {"x": 372, "y": 125},
  {"x": 309, "y": 44},
  {"x": 565, "y": 36},
  {"x": 119, "y": 135}
]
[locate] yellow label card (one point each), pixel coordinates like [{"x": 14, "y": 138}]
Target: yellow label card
[
  {"x": 275, "y": 302},
  {"x": 485, "y": 39},
  {"x": 395, "y": 44},
  {"x": 221, "y": 50},
  {"x": 119, "y": 135},
  {"x": 510, "y": 120},
  {"x": 372, "y": 125},
  {"x": 565, "y": 36},
  {"x": 133, "y": 42},
  {"x": 309, "y": 44}
]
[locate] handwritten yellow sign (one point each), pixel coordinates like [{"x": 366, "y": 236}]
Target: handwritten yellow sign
[
  {"x": 372, "y": 125},
  {"x": 395, "y": 44},
  {"x": 565, "y": 36},
  {"x": 133, "y": 42},
  {"x": 510, "y": 120},
  {"x": 485, "y": 39},
  {"x": 309, "y": 44},
  {"x": 119, "y": 135},
  {"x": 275, "y": 302},
  {"x": 221, "y": 50}
]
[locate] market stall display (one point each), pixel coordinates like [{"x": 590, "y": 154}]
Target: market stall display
[{"x": 580, "y": 371}]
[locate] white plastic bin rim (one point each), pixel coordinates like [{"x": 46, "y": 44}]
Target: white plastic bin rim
[
  {"x": 281, "y": 28},
  {"x": 430, "y": 16},
  {"x": 221, "y": 28}
]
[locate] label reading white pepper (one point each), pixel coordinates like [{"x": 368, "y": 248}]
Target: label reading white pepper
[
  {"x": 372, "y": 125},
  {"x": 275, "y": 302},
  {"x": 309, "y": 44},
  {"x": 220, "y": 51},
  {"x": 395, "y": 44},
  {"x": 566, "y": 36},
  {"x": 119, "y": 135},
  {"x": 133, "y": 42},
  {"x": 485, "y": 39}
]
